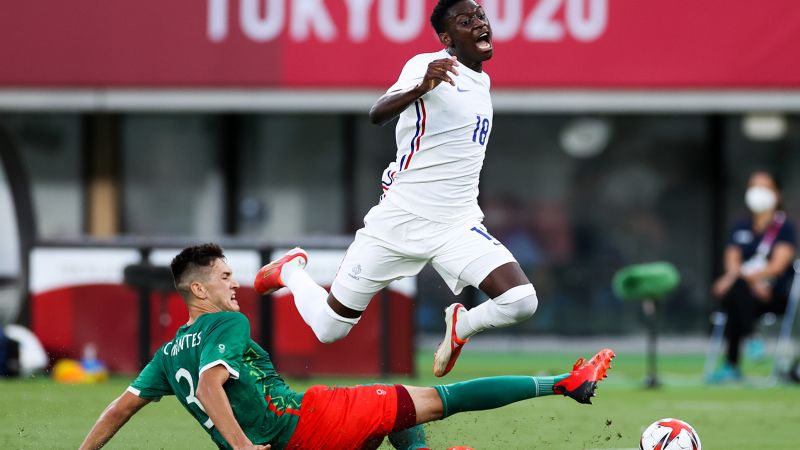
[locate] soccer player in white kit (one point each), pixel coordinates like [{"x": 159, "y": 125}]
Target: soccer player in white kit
[{"x": 429, "y": 210}]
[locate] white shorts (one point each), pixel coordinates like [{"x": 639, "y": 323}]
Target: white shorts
[{"x": 395, "y": 244}]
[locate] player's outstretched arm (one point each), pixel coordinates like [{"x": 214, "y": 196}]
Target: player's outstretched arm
[
  {"x": 391, "y": 104},
  {"x": 215, "y": 402},
  {"x": 112, "y": 419}
]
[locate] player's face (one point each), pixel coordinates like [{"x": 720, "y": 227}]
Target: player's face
[
  {"x": 221, "y": 287},
  {"x": 469, "y": 32}
]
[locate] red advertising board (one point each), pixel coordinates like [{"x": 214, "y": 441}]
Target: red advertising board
[{"x": 364, "y": 43}]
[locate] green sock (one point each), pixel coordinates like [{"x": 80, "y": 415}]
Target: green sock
[
  {"x": 493, "y": 392},
  {"x": 409, "y": 439}
]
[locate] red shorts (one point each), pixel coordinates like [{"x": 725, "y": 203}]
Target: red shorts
[{"x": 355, "y": 418}]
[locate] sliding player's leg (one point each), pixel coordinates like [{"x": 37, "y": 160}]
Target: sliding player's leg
[
  {"x": 474, "y": 257},
  {"x": 442, "y": 401}
]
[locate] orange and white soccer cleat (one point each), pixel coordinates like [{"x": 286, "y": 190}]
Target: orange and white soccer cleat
[
  {"x": 268, "y": 279},
  {"x": 582, "y": 381},
  {"x": 446, "y": 355}
]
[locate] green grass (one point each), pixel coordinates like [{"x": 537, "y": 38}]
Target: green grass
[{"x": 40, "y": 414}]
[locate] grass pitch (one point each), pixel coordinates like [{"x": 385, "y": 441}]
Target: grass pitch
[{"x": 40, "y": 414}]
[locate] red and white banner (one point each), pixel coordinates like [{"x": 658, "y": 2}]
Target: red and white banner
[{"x": 364, "y": 43}]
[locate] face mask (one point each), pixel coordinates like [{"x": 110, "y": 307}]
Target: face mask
[{"x": 760, "y": 199}]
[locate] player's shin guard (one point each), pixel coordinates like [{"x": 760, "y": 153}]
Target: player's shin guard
[
  {"x": 330, "y": 327},
  {"x": 493, "y": 392},
  {"x": 513, "y": 306}
]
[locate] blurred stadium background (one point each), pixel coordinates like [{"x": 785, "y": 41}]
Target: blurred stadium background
[{"x": 625, "y": 133}]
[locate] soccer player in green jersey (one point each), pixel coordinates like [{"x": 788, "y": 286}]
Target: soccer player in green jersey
[{"x": 228, "y": 384}]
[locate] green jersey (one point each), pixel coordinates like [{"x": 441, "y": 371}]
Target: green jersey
[{"x": 264, "y": 406}]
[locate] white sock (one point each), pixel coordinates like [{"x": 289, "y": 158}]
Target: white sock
[
  {"x": 513, "y": 306},
  {"x": 309, "y": 297},
  {"x": 479, "y": 318},
  {"x": 311, "y": 301}
]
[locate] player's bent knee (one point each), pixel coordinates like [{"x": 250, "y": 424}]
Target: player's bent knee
[
  {"x": 525, "y": 308},
  {"x": 519, "y": 303},
  {"x": 330, "y": 336},
  {"x": 332, "y": 331},
  {"x": 428, "y": 403}
]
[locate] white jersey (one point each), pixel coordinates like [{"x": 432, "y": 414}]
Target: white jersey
[{"x": 441, "y": 142}]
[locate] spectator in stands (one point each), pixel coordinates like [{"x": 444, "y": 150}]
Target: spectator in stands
[{"x": 757, "y": 262}]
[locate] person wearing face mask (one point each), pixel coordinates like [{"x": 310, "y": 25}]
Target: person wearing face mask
[{"x": 757, "y": 259}]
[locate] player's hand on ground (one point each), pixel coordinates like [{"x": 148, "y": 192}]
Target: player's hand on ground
[
  {"x": 438, "y": 71},
  {"x": 256, "y": 447}
]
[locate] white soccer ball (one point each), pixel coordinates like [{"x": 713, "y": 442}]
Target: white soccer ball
[{"x": 670, "y": 434}]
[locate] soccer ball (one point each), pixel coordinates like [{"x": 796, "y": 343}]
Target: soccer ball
[{"x": 670, "y": 434}]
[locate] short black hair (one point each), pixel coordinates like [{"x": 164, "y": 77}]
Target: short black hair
[
  {"x": 440, "y": 13},
  {"x": 192, "y": 258}
]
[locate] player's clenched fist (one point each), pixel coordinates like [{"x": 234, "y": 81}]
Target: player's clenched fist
[{"x": 438, "y": 71}]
